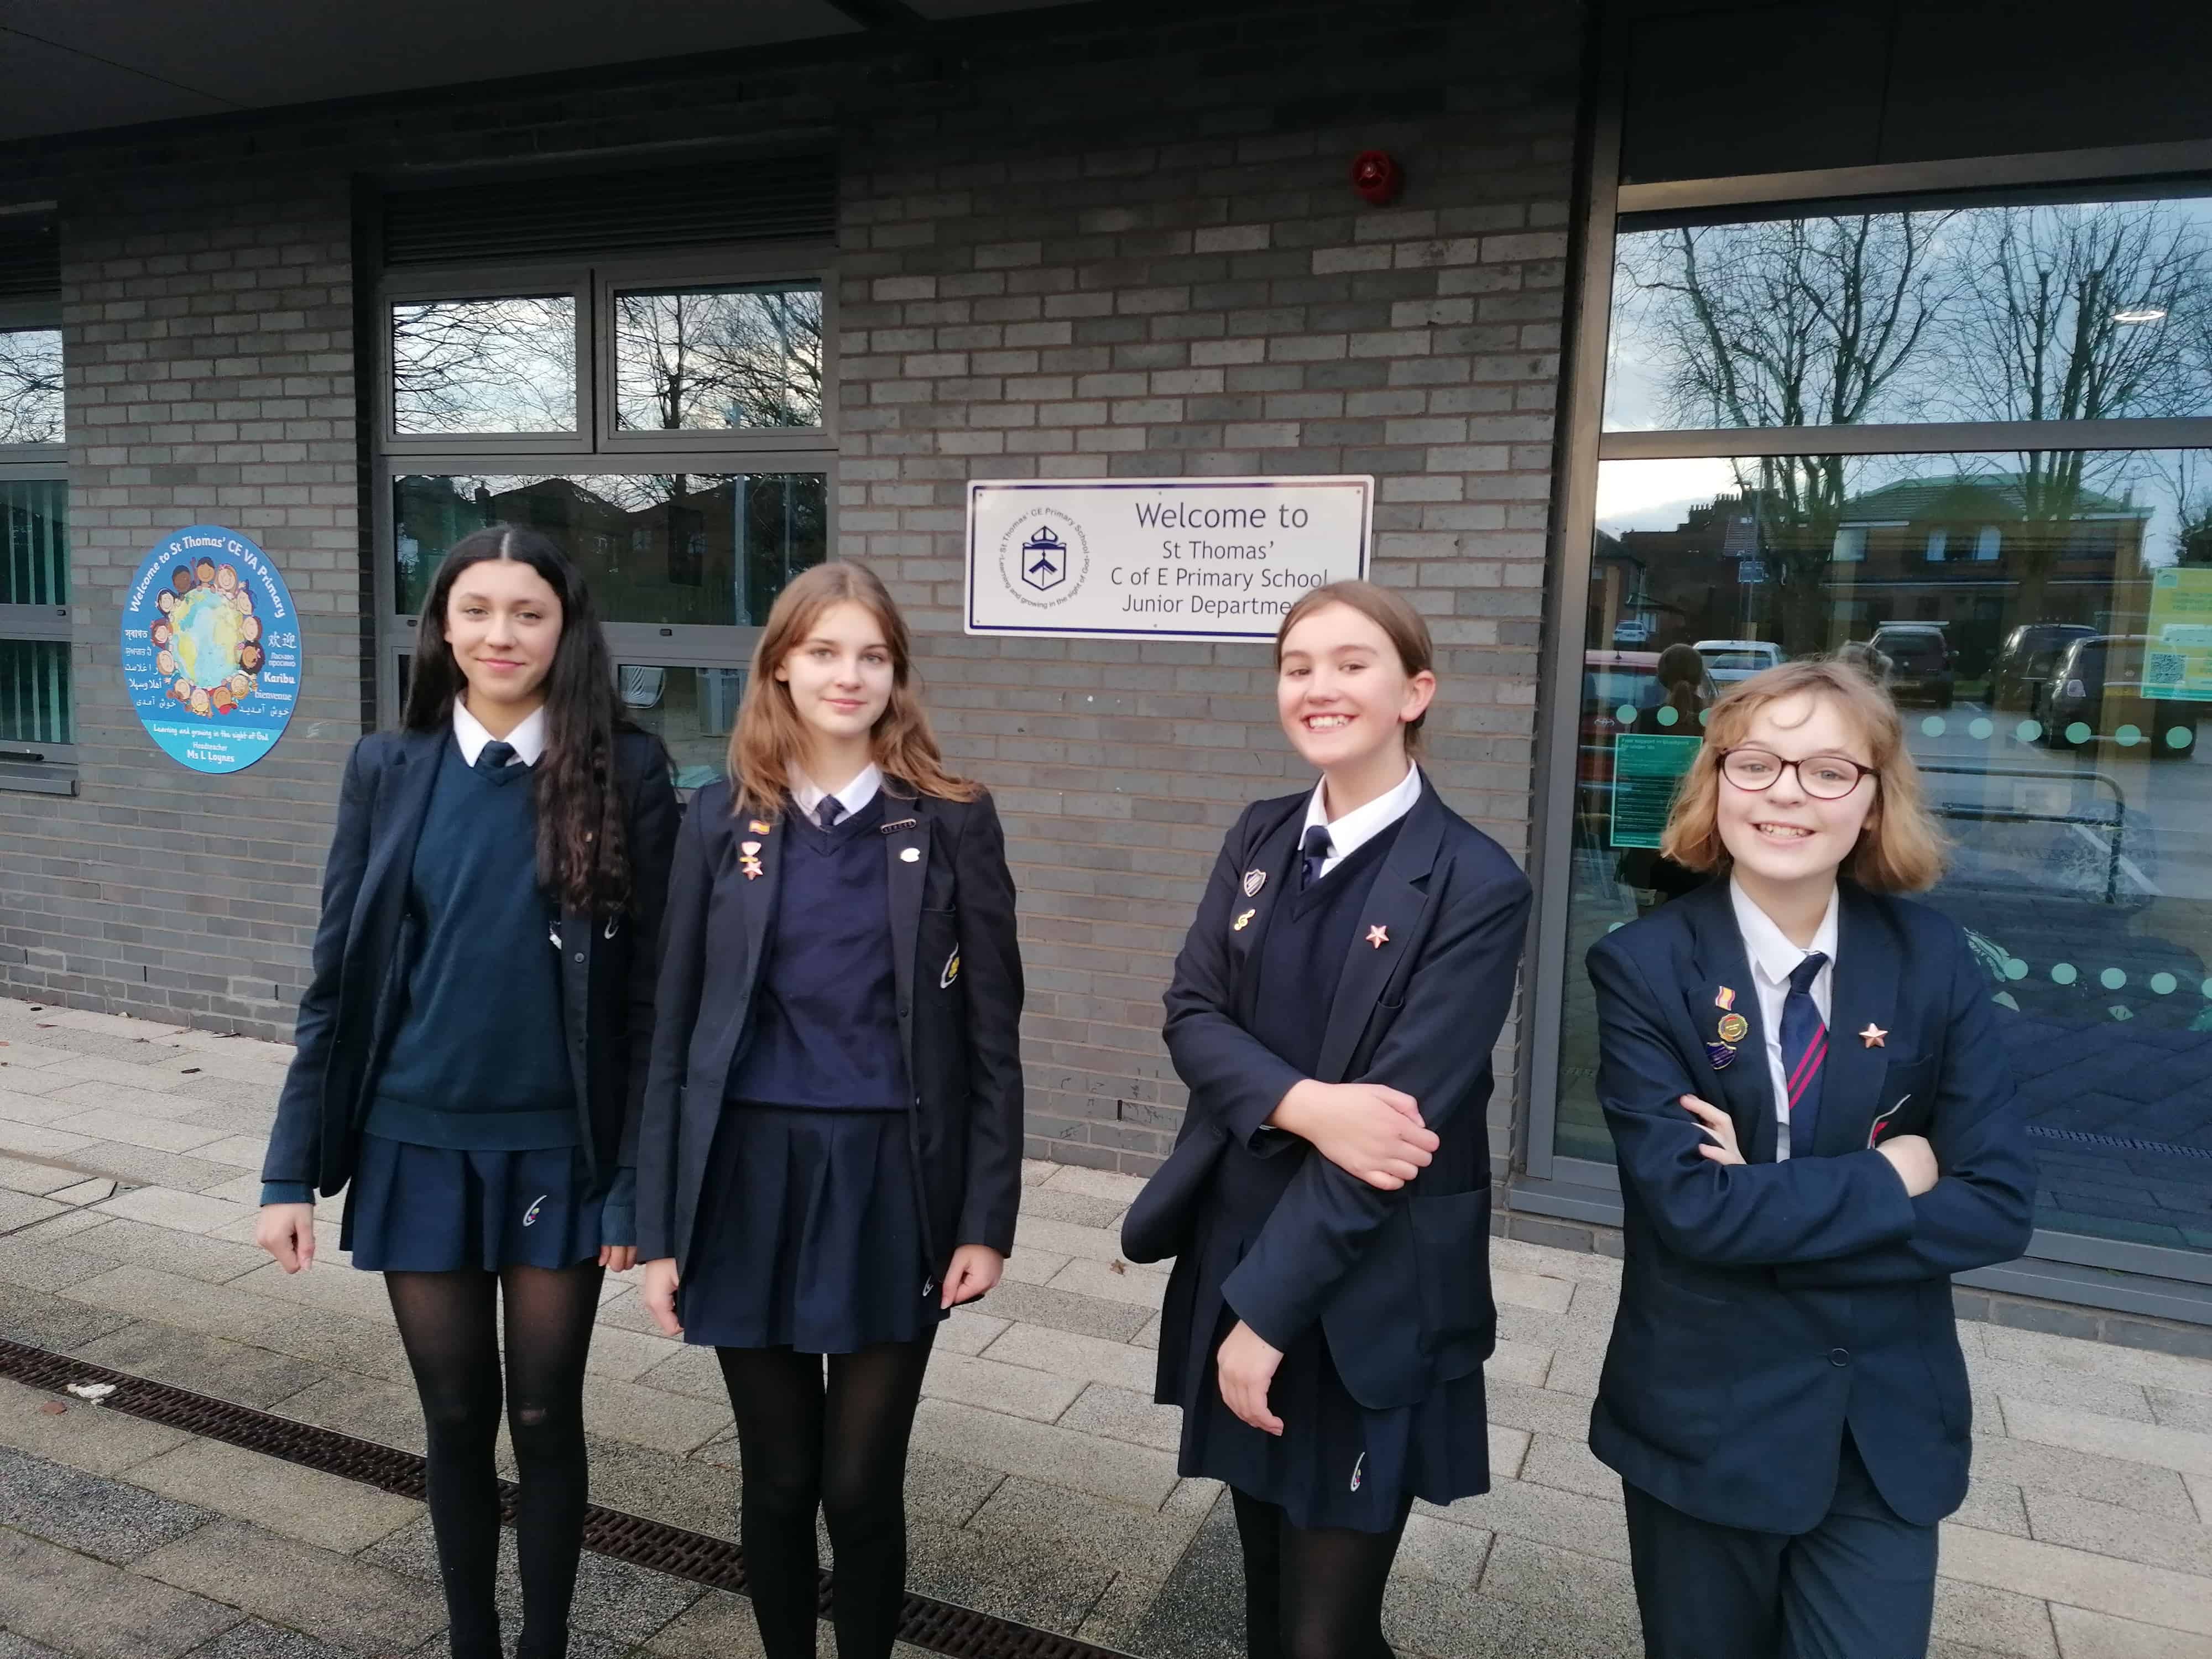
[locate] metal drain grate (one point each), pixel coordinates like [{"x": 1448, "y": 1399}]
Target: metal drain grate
[
  {"x": 938, "y": 1626},
  {"x": 2118, "y": 1143}
]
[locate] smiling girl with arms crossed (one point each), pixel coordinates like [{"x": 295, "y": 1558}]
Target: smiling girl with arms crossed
[
  {"x": 1816, "y": 1125},
  {"x": 831, "y": 1158},
  {"x": 1333, "y": 1014},
  {"x": 473, "y": 1045}
]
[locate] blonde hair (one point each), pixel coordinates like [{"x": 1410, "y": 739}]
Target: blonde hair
[
  {"x": 1407, "y": 633},
  {"x": 1901, "y": 850},
  {"x": 769, "y": 738}
]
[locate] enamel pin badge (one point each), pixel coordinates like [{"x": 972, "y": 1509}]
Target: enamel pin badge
[
  {"x": 1378, "y": 936},
  {"x": 759, "y": 826},
  {"x": 1724, "y": 999},
  {"x": 1720, "y": 1055},
  {"x": 1253, "y": 881},
  {"x": 909, "y": 855},
  {"x": 1875, "y": 1037},
  {"x": 1237, "y": 926},
  {"x": 1733, "y": 1029}
]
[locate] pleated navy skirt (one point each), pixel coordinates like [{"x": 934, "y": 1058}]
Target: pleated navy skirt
[
  {"x": 809, "y": 1235},
  {"x": 431, "y": 1209},
  {"x": 1337, "y": 1463}
]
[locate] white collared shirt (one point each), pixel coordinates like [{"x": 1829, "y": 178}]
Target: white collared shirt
[
  {"x": 1773, "y": 959},
  {"x": 527, "y": 740},
  {"x": 1362, "y": 824},
  {"x": 808, "y": 796}
]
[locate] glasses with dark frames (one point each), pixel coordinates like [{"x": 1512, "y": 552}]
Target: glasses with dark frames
[{"x": 1824, "y": 777}]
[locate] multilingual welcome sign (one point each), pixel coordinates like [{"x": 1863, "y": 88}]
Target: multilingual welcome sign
[{"x": 1169, "y": 558}]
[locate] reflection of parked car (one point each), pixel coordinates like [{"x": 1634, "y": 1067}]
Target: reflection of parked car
[
  {"x": 1920, "y": 668},
  {"x": 1730, "y": 660},
  {"x": 2027, "y": 658},
  {"x": 1617, "y": 681},
  {"x": 2095, "y": 693}
]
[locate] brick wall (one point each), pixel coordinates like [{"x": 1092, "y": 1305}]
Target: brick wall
[
  {"x": 1068, "y": 246},
  {"x": 207, "y": 332}
]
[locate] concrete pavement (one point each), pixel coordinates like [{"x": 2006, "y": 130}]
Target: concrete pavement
[{"x": 1042, "y": 1486}]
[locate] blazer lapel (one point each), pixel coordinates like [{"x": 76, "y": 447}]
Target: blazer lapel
[
  {"x": 757, "y": 892},
  {"x": 1271, "y": 858},
  {"x": 382, "y": 900},
  {"x": 1863, "y": 992},
  {"x": 906, "y": 852},
  {"x": 1746, "y": 1090},
  {"x": 1389, "y": 926}
]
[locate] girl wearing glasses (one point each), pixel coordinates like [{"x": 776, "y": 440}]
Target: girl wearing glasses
[{"x": 1816, "y": 1128}]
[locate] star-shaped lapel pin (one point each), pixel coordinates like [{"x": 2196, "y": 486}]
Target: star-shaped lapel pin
[
  {"x": 1874, "y": 1037},
  {"x": 1378, "y": 936}
]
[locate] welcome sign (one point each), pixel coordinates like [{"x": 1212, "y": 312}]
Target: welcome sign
[{"x": 1166, "y": 558}]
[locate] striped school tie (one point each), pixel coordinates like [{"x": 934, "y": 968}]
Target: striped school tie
[{"x": 1804, "y": 1052}]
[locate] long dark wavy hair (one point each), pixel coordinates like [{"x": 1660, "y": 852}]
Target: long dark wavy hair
[{"x": 582, "y": 858}]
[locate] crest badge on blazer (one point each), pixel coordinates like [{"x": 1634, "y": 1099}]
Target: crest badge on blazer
[{"x": 1253, "y": 881}]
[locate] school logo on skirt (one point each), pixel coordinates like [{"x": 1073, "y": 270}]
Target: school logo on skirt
[
  {"x": 952, "y": 970},
  {"x": 530, "y": 1215},
  {"x": 1356, "y": 1467}
]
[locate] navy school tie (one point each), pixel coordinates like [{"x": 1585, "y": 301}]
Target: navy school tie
[
  {"x": 492, "y": 760},
  {"x": 829, "y": 812},
  {"x": 1804, "y": 1053},
  {"x": 1314, "y": 850}
]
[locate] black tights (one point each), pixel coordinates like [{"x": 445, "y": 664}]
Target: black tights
[
  {"x": 448, "y": 1322},
  {"x": 1313, "y": 1592},
  {"x": 841, "y": 1448}
]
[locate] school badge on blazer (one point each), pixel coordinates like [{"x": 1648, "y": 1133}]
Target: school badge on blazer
[{"x": 1253, "y": 881}]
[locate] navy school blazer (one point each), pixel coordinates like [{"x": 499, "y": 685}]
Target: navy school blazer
[
  {"x": 958, "y": 975},
  {"x": 1765, "y": 1307},
  {"x": 1398, "y": 1281},
  {"x": 363, "y": 953}
]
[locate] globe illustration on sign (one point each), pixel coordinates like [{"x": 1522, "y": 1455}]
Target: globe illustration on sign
[{"x": 209, "y": 631}]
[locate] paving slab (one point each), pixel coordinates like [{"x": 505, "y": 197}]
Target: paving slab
[
  {"x": 1074, "y": 1356},
  {"x": 1994, "y": 1620},
  {"x": 206, "y": 1365},
  {"x": 84, "y": 1437},
  {"x": 52, "y": 1321},
  {"x": 2086, "y": 1635},
  {"x": 2184, "y": 1450},
  {"x": 1039, "y": 1452},
  {"x": 2156, "y": 1595},
  {"x": 186, "y": 1212},
  {"x": 358, "y": 1605},
  {"x": 19, "y": 1209},
  {"x": 257, "y": 1638},
  {"x": 1124, "y": 1414},
  {"x": 138, "y": 1244},
  {"x": 90, "y": 1513},
  {"x": 33, "y": 1264},
  {"x": 1038, "y": 1395},
  {"x": 278, "y": 1497},
  {"x": 1063, "y": 1310},
  {"x": 74, "y": 1604},
  {"x": 2125, "y": 1534},
  {"x": 23, "y": 1176},
  {"x": 614, "y": 1599},
  {"x": 1112, "y": 1281}
]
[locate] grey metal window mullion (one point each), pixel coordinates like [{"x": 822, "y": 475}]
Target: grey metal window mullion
[
  {"x": 1949, "y": 438},
  {"x": 1560, "y": 673}
]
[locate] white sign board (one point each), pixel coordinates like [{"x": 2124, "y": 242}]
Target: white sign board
[{"x": 1164, "y": 558}]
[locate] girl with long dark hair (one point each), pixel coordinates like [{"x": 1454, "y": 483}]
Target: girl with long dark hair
[
  {"x": 472, "y": 1047},
  {"x": 830, "y": 1158}
]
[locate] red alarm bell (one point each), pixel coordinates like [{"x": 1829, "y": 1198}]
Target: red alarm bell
[{"x": 1378, "y": 177}]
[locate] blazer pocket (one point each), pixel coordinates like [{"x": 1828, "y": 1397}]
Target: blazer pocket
[{"x": 1451, "y": 1253}]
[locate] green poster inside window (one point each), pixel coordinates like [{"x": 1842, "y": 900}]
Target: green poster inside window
[
  {"x": 1644, "y": 772},
  {"x": 2178, "y": 663}
]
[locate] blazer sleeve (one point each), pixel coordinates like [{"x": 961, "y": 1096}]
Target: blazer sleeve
[
  {"x": 1982, "y": 1209},
  {"x": 1437, "y": 1050},
  {"x": 650, "y": 826},
  {"x": 289, "y": 1167},
  {"x": 1231, "y": 1074},
  {"x": 1801, "y": 1209},
  {"x": 675, "y": 1011},
  {"x": 991, "y": 962}
]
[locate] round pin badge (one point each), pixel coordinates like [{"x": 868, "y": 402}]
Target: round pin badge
[{"x": 1734, "y": 1028}]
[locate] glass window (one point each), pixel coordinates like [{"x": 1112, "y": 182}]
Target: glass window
[
  {"x": 35, "y": 692},
  {"x": 30, "y": 385},
  {"x": 495, "y": 365},
  {"x": 692, "y": 710},
  {"x": 34, "y": 543},
  {"x": 2059, "y": 311},
  {"x": 710, "y": 549},
  {"x": 714, "y": 359},
  {"x": 2053, "y": 698}
]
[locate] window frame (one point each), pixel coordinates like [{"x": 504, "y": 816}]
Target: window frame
[
  {"x": 46, "y": 768},
  {"x": 2163, "y": 1281}
]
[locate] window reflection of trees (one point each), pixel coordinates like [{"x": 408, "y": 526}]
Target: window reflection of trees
[
  {"x": 497, "y": 365},
  {"x": 31, "y": 387},
  {"x": 704, "y": 359}
]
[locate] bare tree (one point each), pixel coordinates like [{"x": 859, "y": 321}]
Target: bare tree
[
  {"x": 1818, "y": 321},
  {"x": 498, "y": 365},
  {"x": 2074, "y": 313},
  {"x": 31, "y": 387},
  {"x": 718, "y": 358}
]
